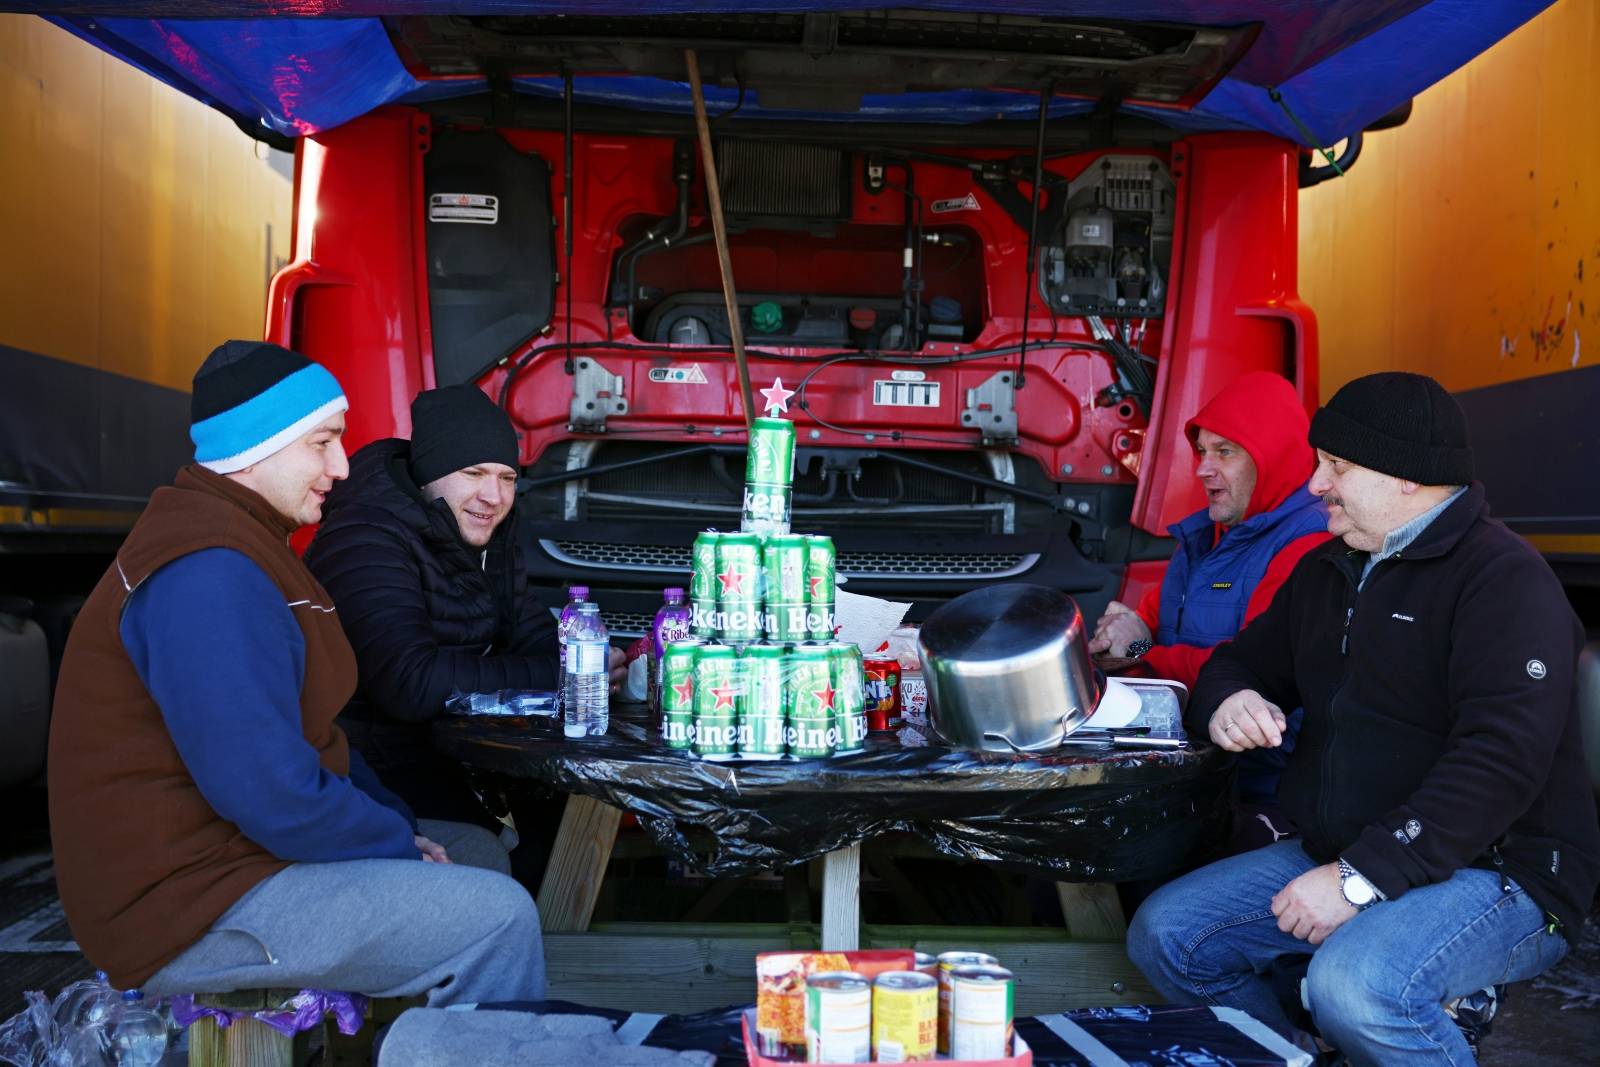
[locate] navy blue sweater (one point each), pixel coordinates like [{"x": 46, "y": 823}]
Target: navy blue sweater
[{"x": 223, "y": 658}]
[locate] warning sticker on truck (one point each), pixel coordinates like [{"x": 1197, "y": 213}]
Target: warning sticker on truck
[
  {"x": 959, "y": 203},
  {"x": 905, "y": 394},
  {"x": 476, "y": 208},
  {"x": 680, "y": 375}
]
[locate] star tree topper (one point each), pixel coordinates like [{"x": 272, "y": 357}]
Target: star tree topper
[{"x": 777, "y": 397}]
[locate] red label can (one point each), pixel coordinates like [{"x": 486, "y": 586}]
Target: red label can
[{"x": 883, "y": 692}]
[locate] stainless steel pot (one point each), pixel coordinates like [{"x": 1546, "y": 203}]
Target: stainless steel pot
[{"x": 1007, "y": 668}]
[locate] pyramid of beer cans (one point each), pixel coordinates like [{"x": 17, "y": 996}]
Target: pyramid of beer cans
[{"x": 760, "y": 675}]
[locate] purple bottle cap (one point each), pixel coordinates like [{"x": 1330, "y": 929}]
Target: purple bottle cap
[
  {"x": 576, "y": 591},
  {"x": 672, "y": 592}
]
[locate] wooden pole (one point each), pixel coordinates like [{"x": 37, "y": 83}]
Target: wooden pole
[{"x": 719, "y": 231}]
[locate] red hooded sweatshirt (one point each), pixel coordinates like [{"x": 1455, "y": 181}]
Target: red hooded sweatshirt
[{"x": 1261, "y": 413}]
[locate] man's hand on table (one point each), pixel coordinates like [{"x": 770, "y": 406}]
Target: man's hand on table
[
  {"x": 1118, "y": 627},
  {"x": 1247, "y": 720},
  {"x": 432, "y": 851},
  {"x": 618, "y": 670},
  {"x": 1313, "y": 905}
]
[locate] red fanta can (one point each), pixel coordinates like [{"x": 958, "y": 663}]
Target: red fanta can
[{"x": 883, "y": 692}]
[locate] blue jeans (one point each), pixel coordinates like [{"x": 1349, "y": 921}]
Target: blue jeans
[{"x": 1376, "y": 986}]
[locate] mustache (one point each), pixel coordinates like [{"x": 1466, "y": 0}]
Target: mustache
[{"x": 1333, "y": 501}]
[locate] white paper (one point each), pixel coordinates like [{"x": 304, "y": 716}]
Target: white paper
[
  {"x": 1118, "y": 707},
  {"x": 866, "y": 620}
]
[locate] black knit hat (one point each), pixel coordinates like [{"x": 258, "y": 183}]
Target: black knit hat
[
  {"x": 1401, "y": 424},
  {"x": 455, "y": 427}
]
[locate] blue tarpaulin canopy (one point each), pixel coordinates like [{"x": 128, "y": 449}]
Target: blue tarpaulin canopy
[{"x": 300, "y": 66}]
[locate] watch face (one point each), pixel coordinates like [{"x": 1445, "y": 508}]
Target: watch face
[
  {"x": 1138, "y": 648},
  {"x": 1357, "y": 890}
]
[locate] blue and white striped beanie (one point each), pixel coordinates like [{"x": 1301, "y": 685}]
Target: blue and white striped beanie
[{"x": 252, "y": 399}]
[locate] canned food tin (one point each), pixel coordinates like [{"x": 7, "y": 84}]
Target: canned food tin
[
  {"x": 981, "y": 1009},
  {"x": 905, "y": 1017},
  {"x": 738, "y": 596},
  {"x": 703, "y": 579},
  {"x": 838, "y": 1018},
  {"x": 883, "y": 692},
  {"x": 949, "y": 961},
  {"x": 820, "y": 582},
  {"x": 812, "y": 730},
  {"x": 677, "y": 694},
  {"x": 928, "y": 964},
  {"x": 763, "y": 720},
  {"x": 716, "y": 703},
  {"x": 849, "y": 709}
]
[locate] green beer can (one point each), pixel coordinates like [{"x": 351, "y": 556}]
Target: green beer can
[
  {"x": 763, "y": 718},
  {"x": 677, "y": 694},
  {"x": 849, "y": 697},
  {"x": 768, "y": 477},
  {"x": 783, "y": 566},
  {"x": 716, "y": 703},
  {"x": 738, "y": 591},
  {"x": 703, "y": 585},
  {"x": 812, "y": 729},
  {"x": 820, "y": 580}
]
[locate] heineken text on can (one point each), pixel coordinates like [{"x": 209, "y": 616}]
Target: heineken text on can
[
  {"x": 769, "y": 457},
  {"x": 838, "y": 1018},
  {"x": 716, "y": 703},
  {"x": 905, "y": 1017},
  {"x": 738, "y": 594},
  {"x": 849, "y": 706},
  {"x": 703, "y": 579},
  {"x": 810, "y": 699},
  {"x": 763, "y": 720},
  {"x": 819, "y": 587},
  {"x": 981, "y": 1007},
  {"x": 677, "y": 694},
  {"x": 949, "y": 961},
  {"x": 766, "y": 508}
]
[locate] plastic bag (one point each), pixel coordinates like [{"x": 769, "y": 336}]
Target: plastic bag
[
  {"x": 504, "y": 703},
  {"x": 300, "y": 1012},
  {"x": 73, "y": 1030}
]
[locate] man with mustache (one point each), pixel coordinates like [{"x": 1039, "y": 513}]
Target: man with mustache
[
  {"x": 1449, "y": 830},
  {"x": 212, "y": 829}
]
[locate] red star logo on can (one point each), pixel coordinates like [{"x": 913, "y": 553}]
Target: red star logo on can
[
  {"x": 824, "y": 697},
  {"x": 724, "y": 695},
  {"x": 685, "y": 690},
  {"x": 816, "y": 588},
  {"x": 732, "y": 581}
]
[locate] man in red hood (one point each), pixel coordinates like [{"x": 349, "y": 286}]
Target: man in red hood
[{"x": 1253, "y": 461}]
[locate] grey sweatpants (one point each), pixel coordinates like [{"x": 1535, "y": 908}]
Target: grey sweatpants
[{"x": 386, "y": 928}]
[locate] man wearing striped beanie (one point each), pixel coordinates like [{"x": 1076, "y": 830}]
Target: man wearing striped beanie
[{"x": 213, "y": 830}]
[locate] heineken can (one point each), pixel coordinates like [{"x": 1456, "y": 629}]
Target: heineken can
[
  {"x": 716, "y": 703},
  {"x": 849, "y": 697},
  {"x": 703, "y": 585},
  {"x": 763, "y": 719},
  {"x": 819, "y": 587},
  {"x": 768, "y": 478},
  {"x": 812, "y": 729},
  {"x": 783, "y": 569},
  {"x": 738, "y": 592},
  {"x": 677, "y": 694}
]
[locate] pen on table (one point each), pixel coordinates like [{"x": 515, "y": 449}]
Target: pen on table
[{"x": 1128, "y": 741}]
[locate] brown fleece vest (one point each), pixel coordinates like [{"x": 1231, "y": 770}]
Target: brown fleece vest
[{"x": 144, "y": 864}]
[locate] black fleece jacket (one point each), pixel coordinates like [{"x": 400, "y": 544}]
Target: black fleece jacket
[
  {"x": 426, "y": 614},
  {"x": 1441, "y": 722}
]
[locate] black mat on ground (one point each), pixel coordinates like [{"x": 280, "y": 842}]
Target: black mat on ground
[{"x": 1075, "y": 814}]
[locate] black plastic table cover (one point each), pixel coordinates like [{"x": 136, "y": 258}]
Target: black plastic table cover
[{"x": 1080, "y": 814}]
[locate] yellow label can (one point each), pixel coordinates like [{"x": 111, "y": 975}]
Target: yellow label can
[{"x": 905, "y": 1017}]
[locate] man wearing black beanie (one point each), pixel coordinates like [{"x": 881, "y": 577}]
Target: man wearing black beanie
[
  {"x": 419, "y": 550},
  {"x": 1450, "y": 840}
]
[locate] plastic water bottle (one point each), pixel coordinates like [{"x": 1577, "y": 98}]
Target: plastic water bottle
[
  {"x": 140, "y": 1039},
  {"x": 671, "y": 624},
  {"x": 579, "y": 595},
  {"x": 588, "y": 682}
]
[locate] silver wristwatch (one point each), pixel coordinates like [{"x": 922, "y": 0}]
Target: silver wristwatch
[{"x": 1359, "y": 893}]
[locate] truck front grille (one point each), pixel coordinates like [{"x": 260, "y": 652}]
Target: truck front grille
[{"x": 606, "y": 555}]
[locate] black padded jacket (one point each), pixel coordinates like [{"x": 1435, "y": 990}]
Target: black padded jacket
[{"x": 426, "y": 614}]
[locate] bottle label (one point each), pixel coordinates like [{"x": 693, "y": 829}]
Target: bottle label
[{"x": 584, "y": 657}]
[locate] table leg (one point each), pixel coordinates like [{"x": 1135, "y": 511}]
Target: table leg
[
  {"x": 1092, "y": 911},
  {"x": 577, "y": 864},
  {"x": 841, "y": 900}
]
